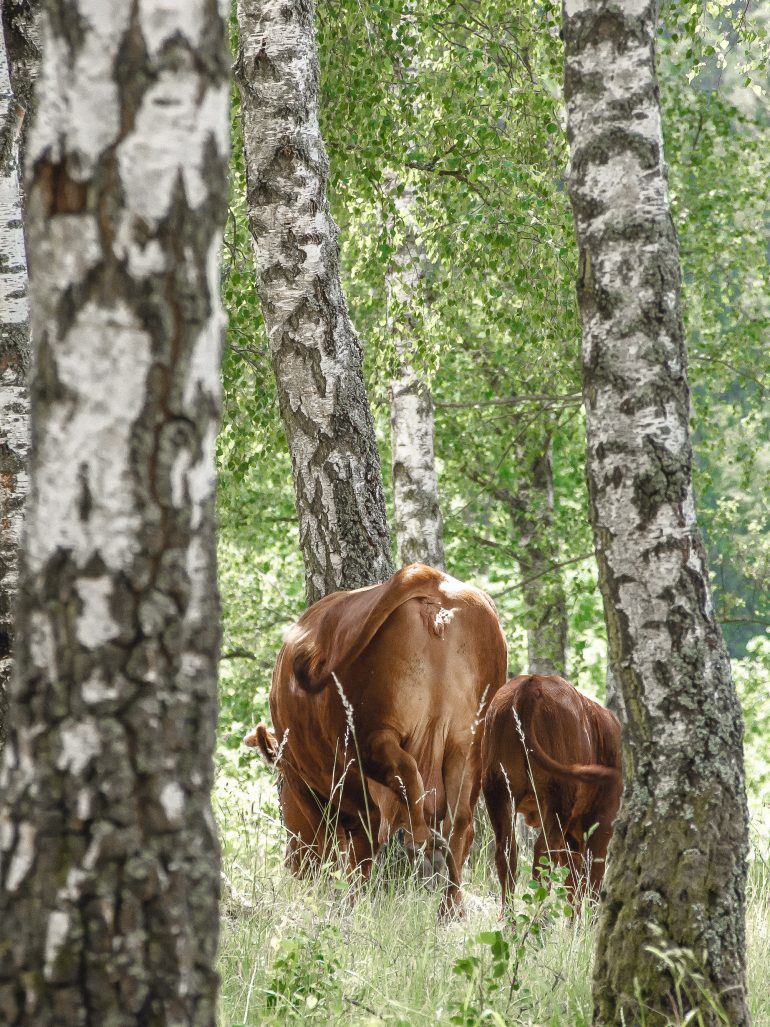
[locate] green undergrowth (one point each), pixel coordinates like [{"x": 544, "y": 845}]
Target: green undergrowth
[{"x": 323, "y": 952}]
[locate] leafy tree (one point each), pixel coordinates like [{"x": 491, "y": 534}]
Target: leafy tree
[{"x": 496, "y": 317}]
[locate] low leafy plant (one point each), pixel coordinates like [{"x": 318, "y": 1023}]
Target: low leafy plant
[
  {"x": 303, "y": 977},
  {"x": 491, "y": 964}
]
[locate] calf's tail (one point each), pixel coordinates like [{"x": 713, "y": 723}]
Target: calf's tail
[{"x": 530, "y": 714}]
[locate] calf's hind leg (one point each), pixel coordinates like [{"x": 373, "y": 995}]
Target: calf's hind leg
[
  {"x": 597, "y": 845},
  {"x": 552, "y": 842}
]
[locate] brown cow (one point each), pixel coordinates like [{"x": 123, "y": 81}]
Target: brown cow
[
  {"x": 397, "y": 676},
  {"x": 567, "y": 782}
]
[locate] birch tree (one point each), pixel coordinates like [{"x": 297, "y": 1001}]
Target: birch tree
[
  {"x": 108, "y": 850},
  {"x": 418, "y": 522},
  {"x": 21, "y": 25},
  {"x": 676, "y": 879},
  {"x": 14, "y": 354},
  {"x": 315, "y": 351},
  {"x": 529, "y": 503}
]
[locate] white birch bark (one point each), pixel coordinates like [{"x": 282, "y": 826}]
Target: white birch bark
[
  {"x": 21, "y": 24},
  {"x": 418, "y": 522},
  {"x": 315, "y": 351},
  {"x": 419, "y": 526},
  {"x": 14, "y": 360},
  {"x": 676, "y": 875},
  {"x": 108, "y": 849}
]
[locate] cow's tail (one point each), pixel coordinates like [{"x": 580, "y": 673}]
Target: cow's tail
[
  {"x": 262, "y": 738},
  {"x": 338, "y": 628},
  {"x": 587, "y": 773}
]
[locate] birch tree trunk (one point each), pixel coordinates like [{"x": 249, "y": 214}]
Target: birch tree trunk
[
  {"x": 419, "y": 526},
  {"x": 108, "y": 849},
  {"x": 676, "y": 876},
  {"x": 315, "y": 351},
  {"x": 21, "y": 25},
  {"x": 531, "y": 511},
  {"x": 14, "y": 358}
]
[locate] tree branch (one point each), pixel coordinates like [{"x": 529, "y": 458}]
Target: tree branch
[
  {"x": 543, "y": 574},
  {"x": 565, "y": 400},
  {"x": 238, "y": 654}
]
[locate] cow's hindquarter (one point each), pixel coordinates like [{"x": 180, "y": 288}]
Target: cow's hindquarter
[
  {"x": 392, "y": 685},
  {"x": 422, "y": 687}
]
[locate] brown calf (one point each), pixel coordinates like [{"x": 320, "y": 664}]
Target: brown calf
[{"x": 567, "y": 781}]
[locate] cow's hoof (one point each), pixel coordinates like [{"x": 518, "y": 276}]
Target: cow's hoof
[
  {"x": 452, "y": 907},
  {"x": 434, "y": 869}
]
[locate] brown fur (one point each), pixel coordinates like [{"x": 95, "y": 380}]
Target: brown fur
[
  {"x": 262, "y": 738},
  {"x": 417, "y": 659},
  {"x": 567, "y": 782},
  {"x": 337, "y": 628}
]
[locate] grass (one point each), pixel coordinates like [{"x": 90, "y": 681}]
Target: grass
[{"x": 314, "y": 952}]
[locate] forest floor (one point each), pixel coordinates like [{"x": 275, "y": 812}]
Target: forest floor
[{"x": 318, "y": 953}]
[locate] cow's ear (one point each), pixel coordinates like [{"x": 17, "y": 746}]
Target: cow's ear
[{"x": 262, "y": 738}]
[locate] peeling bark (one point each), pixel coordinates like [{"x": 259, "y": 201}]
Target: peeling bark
[
  {"x": 14, "y": 360},
  {"x": 419, "y": 526},
  {"x": 315, "y": 351},
  {"x": 676, "y": 877},
  {"x": 109, "y": 865}
]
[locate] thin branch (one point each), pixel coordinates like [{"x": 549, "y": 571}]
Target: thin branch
[
  {"x": 493, "y": 545},
  {"x": 741, "y": 372},
  {"x": 566, "y": 400},
  {"x": 543, "y": 574},
  {"x": 239, "y": 654},
  {"x": 456, "y": 173}
]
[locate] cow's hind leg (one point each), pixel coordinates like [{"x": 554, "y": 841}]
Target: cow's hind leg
[
  {"x": 461, "y": 787},
  {"x": 386, "y": 762},
  {"x": 499, "y": 802}
]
